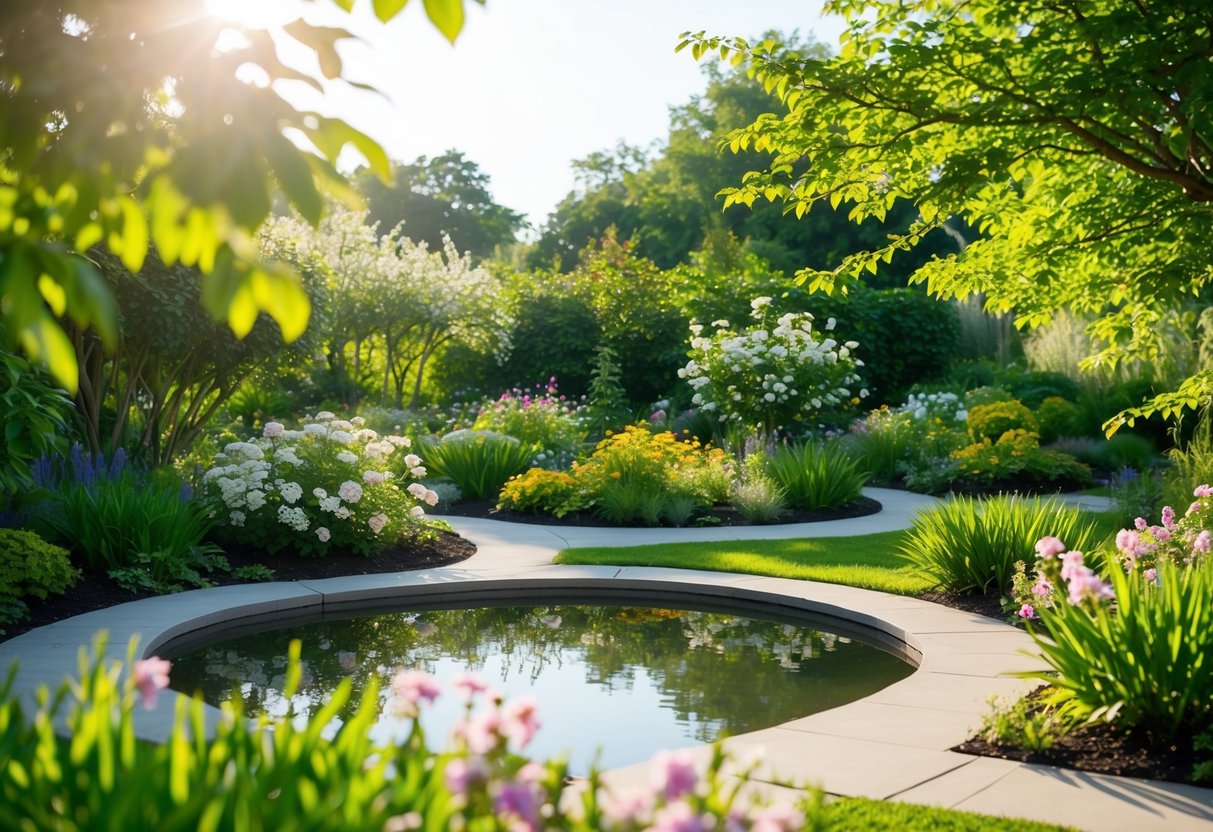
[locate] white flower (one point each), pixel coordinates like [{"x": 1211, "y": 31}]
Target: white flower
[
  {"x": 323, "y": 534},
  {"x": 330, "y": 504},
  {"x": 324, "y": 416},
  {"x": 721, "y": 324},
  {"x": 342, "y": 513},
  {"x": 347, "y": 457},
  {"x": 431, "y": 497},
  {"x": 830, "y": 324},
  {"x": 412, "y": 461},
  {"x": 244, "y": 449},
  {"x": 273, "y": 429},
  {"x": 294, "y": 517},
  {"x": 758, "y": 303},
  {"x": 399, "y": 441},
  {"x": 342, "y": 437},
  {"x": 418, "y": 472},
  {"x": 256, "y": 499},
  {"x": 373, "y": 477},
  {"x": 316, "y": 430},
  {"x": 291, "y": 491},
  {"x": 237, "y": 518},
  {"x": 377, "y": 522},
  {"x": 350, "y": 491},
  {"x": 319, "y": 493},
  {"x": 416, "y": 511},
  {"x": 342, "y": 424},
  {"x": 770, "y": 397},
  {"x": 358, "y": 421},
  {"x": 417, "y": 490}
]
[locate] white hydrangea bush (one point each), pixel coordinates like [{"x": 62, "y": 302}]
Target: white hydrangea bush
[
  {"x": 327, "y": 487},
  {"x": 772, "y": 376},
  {"x": 947, "y": 407}
]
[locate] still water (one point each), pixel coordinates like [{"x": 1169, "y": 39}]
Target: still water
[{"x": 614, "y": 681}]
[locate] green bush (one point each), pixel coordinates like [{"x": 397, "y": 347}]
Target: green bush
[
  {"x": 1145, "y": 661},
  {"x": 1056, "y": 417},
  {"x": 972, "y": 545},
  {"x": 990, "y": 421},
  {"x": 540, "y": 491},
  {"x": 35, "y": 421},
  {"x": 1016, "y": 460},
  {"x": 816, "y": 476},
  {"x": 981, "y": 396},
  {"x": 287, "y": 773},
  {"x": 539, "y": 417},
  {"x": 479, "y": 462},
  {"x": 30, "y": 568}
]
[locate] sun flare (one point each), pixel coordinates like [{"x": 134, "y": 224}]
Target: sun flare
[{"x": 255, "y": 14}]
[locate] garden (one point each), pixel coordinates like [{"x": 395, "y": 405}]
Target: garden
[{"x": 288, "y": 372}]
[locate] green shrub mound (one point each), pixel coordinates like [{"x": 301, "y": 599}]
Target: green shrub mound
[
  {"x": 480, "y": 462},
  {"x": 816, "y": 476},
  {"x": 30, "y": 568},
  {"x": 972, "y": 545}
]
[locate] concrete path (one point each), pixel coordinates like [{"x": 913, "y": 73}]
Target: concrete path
[{"x": 891, "y": 745}]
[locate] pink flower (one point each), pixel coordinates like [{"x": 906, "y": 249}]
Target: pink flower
[
  {"x": 1202, "y": 542},
  {"x": 1151, "y": 575},
  {"x": 416, "y": 511},
  {"x": 374, "y": 477},
  {"x": 1168, "y": 516},
  {"x": 1027, "y": 611},
  {"x": 323, "y": 534},
  {"x": 1042, "y": 588},
  {"x": 1086, "y": 584},
  {"x": 1071, "y": 562},
  {"x": 779, "y": 818},
  {"x": 522, "y": 800},
  {"x": 520, "y": 720},
  {"x": 677, "y": 817},
  {"x": 151, "y": 676},
  {"x": 350, "y": 491},
  {"x": 1141, "y": 524},
  {"x": 658, "y": 416},
  {"x": 415, "y": 685},
  {"x": 1048, "y": 547},
  {"x": 273, "y": 429},
  {"x": 1126, "y": 541},
  {"x": 468, "y": 684},
  {"x": 673, "y": 774},
  {"x": 1203, "y": 491},
  {"x": 482, "y": 733},
  {"x": 377, "y": 522},
  {"x": 627, "y": 810},
  {"x": 417, "y": 490},
  {"x": 461, "y": 775}
]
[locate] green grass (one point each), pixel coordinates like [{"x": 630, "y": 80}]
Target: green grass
[
  {"x": 861, "y": 815},
  {"x": 868, "y": 561}
]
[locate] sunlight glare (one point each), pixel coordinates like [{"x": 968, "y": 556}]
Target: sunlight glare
[{"x": 256, "y": 14}]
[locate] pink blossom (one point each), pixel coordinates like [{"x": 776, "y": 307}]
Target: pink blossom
[
  {"x": 780, "y": 818},
  {"x": 416, "y": 511},
  {"x": 1126, "y": 541},
  {"x": 417, "y": 490},
  {"x": 323, "y": 534},
  {"x": 1042, "y": 588},
  {"x": 673, "y": 774},
  {"x": 1195, "y": 507},
  {"x": 1151, "y": 575},
  {"x": 468, "y": 684},
  {"x": 1202, "y": 542},
  {"x": 678, "y": 817},
  {"x": 482, "y": 733},
  {"x": 1048, "y": 547},
  {"x": 151, "y": 676},
  {"x": 658, "y": 416},
  {"x": 1161, "y": 533},
  {"x": 350, "y": 491},
  {"x": 1203, "y": 490},
  {"x": 1086, "y": 584},
  {"x": 1071, "y": 562},
  {"x": 415, "y": 685},
  {"x": 1168, "y": 516},
  {"x": 522, "y": 800},
  {"x": 273, "y": 429},
  {"x": 1027, "y": 611},
  {"x": 520, "y": 720},
  {"x": 461, "y": 775},
  {"x": 377, "y": 522},
  {"x": 1141, "y": 524},
  {"x": 628, "y": 809}
]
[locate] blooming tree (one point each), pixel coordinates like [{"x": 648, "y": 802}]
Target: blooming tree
[{"x": 772, "y": 377}]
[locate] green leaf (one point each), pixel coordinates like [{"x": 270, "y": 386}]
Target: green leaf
[
  {"x": 385, "y": 10},
  {"x": 323, "y": 41},
  {"x": 134, "y": 234},
  {"x": 447, "y": 15},
  {"x": 333, "y": 134},
  {"x": 295, "y": 176},
  {"x": 45, "y": 342}
]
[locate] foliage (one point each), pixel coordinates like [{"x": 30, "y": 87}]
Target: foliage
[
  {"x": 480, "y": 462},
  {"x": 30, "y": 568},
  {"x": 324, "y": 488},
  {"x": 998, "y": 114},
  {"x": 1142, "y": 662},
  {"x": 149, "y": 131},
  {"x": 971, "y": 545},
  {"x": 1190, "y": 462},
  {"x": 36, "y": 419},
  {"x": 446, "y": 196},
  {"x": 881, "y": 443},
  {"x": 540, "y": 491},
  {"x": 772, "y": 377},
  {"x": 1024, "y": 723},
  {"x": 943, "y": 406},
  {"x": 885, "y": 816},
  {"x": 540, "y": 417},
  {"x": 555, "y": 333},
  {"x": 867, "y": 561},
  {"x": 1015, "y": 458},
  {"x": 607, "y": 407},
  {"x": 114, "y": 520},
  {"x": 816, "y": 476},
  {"x": 395, "y": 303},
  {"x": 298, "y": 773},
  {"x": 756, "y": 495},
  {"x": 990, "y": 421},
  {"x": 1056, "y": 417}
]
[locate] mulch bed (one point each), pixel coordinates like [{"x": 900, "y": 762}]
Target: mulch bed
[{"x": 718, "y": 516}]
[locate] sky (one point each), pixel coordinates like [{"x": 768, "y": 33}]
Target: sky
[{"x": 532, "y": 84}]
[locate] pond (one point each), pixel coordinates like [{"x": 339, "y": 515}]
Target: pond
[{"x": 620, "y": 682}]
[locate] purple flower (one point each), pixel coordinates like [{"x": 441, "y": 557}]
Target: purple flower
[
  {"x": 522, "y": 800},
  {"x": 673, "y": 774},
  {"x": 461, "y": 775},
  {"x": 1168, "y": 516},
  {"x": 1151, "y": 575},
  {"x": 1202, "y": 542},
  {"x": 151, "y": 677},
  {"x": 678, "y": 817}
]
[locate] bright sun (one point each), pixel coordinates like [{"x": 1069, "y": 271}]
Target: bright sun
[{"x": 256, "y": 14}]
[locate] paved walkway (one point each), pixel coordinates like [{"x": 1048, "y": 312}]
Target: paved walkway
[{"x": 891, "y": 745}]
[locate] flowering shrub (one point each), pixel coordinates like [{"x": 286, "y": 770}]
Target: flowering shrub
[
  {"x": 772, "y": 377},
  {"x": 324, "y": 488},
  {"x": 541, "y": 418},
  {"x": 540, "y": 491},
  {"x": 297, "y": 776},
  {"x": 923, "y": 407},
  {"x": 1018, "y": 458},
  {"x": 990, "y": 421}
]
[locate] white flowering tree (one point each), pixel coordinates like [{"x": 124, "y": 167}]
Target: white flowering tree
[
  {"x": 393, "y": 305},
  {"x": 772, "y": 377}
]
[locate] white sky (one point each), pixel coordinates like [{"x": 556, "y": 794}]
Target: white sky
[{"x": 533, "y": 84}]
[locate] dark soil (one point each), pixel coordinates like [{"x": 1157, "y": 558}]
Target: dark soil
[
  {"x": 987, "y": 605},
  {"x": 97, "y": 590},
  {"x": 1105, "y": 749},
  {"x": 718, "y": 516}
]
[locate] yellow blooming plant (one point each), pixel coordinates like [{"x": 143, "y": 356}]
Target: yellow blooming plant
[{"x": 1016, "y": 459}]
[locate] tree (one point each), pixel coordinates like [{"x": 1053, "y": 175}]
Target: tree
[
  {"x": 1075, "y": 137},
  {"x": 124, "y": 121},
  {"x": 447, "y": 196}
]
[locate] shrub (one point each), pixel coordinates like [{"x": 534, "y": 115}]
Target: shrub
[
  {"x": 114, "y": 520},
  {"x": 324, "y": 488},
  {"x": 287, "y": 773},
  {"x": 881, "y": 443},
  {"x": 1056, "y": 417},
  {"x": 541, "y": 418},
  {"x": 770, "y": 377},
  {"x": 944, "y": 406},
  {"x": 756, "y": 495},
  {"x": 30, "y": 568},
  {"x": 816, "y": 476},
  {"x": 980, "y": 396},
  {"x": 971, "y": 545},
  {"x": 479, "y": 462},
  {"x": 1017, "y": 460},
  {"x": 540, "y": 491},
  {"x": 990, "y": 421},
  {"x": 36, "y": 420}
]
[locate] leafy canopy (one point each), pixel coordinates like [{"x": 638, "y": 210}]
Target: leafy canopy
[
  {"x": 1075, "y": 137},
  {"x": 124, "y": 123}
]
